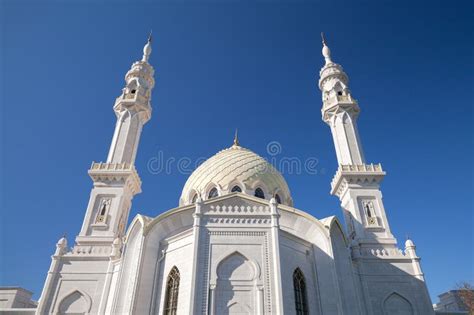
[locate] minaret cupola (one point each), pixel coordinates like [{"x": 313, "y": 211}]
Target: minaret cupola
[
  {"x": 334, "y": 85},
  {"x": 136, "y": 95}
]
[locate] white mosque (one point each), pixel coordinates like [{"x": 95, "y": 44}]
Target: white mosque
[{"x": 235, "y": 244}]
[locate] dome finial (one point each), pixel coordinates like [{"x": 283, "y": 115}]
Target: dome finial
[
  {"x": 147, "y": 48},
  {"x": 326, "y": 51},
  {"x": 236, "y": 138},
  {"x": 324, "y": 40},
  {"x": 150, "y": 36}
]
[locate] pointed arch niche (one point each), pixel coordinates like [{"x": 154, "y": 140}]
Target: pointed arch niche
[
  {"x": 396, "y": 304},
  {"x": 236, "y": 289},
  {"x": 76, "y": 302}
]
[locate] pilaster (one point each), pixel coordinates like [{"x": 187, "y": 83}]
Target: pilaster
[
  {"x": 275, "y": 240},
  {"x": 196, "y": 245}
]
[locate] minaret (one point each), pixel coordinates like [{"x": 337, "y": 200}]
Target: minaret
[
  {"x": 116, "y": 181},
  {"x": 355, "y": 183}
]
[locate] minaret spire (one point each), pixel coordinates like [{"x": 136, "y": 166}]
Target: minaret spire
[
  {"x": 116, "y": 181},
  {"x": 355, "y": 183},
  {"x": 340, "y": 110},
  {"x": 133, "y": 109}
]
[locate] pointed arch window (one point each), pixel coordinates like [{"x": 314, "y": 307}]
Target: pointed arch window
[
  {"x": 259, "y": 193},
  {"x": 213, "y": 193},
  {"x": 299, "y": 286},
  {"x": 236, "y": 189},
  {"x": 172, "y": 290}
]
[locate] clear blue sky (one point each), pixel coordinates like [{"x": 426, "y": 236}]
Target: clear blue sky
[{"x": 247, "y": 64}]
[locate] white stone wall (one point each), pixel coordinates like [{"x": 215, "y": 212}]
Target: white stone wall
[
  {"x": 77, "y": 286},
  {"x": 389, "y": 284},
  {"x": 297, "y": 253},
  {"x": 177, "y": 254},
  {"x": 234, "y": 265},
  {"x": 16, "y": 297}
]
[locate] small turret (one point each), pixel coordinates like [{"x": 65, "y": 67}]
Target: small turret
[
  {"x": 410, "y": 251},
  {"x": 61, "y": 246},
  {"x": 116, "y": 247},
  {"x": 409, "y": 244}
]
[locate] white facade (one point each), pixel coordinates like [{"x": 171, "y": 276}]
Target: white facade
[
  {"x": 16, "y": 297},
  {"x": 236, "y": 244}
]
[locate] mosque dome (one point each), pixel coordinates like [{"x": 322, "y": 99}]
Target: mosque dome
[{"x": 236, "y": 169}]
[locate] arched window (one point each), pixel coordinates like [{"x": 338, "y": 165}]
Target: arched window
[
  {"x": 259, "y": 193},
  {"x": 194, "y": 198},
  {"x": 236, "y": 189},
  {"x": 277, "y": 198},
  {"x": 172, "y": 290},
  {"x": 299, "y": 285},
  {"x": 213, "y": 193}
]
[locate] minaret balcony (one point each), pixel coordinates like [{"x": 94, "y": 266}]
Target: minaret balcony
[
  {"x": 134, "y": 102},
  {"x": 111, "y": 174},
  {"x": 334, "y": 104},
  {"x": 356, "y": 174},
  {"x": 339, "y": 100},
  {"x": 129, "y": 99}
]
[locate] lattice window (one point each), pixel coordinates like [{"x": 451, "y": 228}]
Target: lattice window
[
  {"x": 172, "y": 290},
  {"x": 301, "y": 300}
]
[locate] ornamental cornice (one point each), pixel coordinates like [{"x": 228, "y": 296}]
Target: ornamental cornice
[
  {"x": 237, "y": 210},
  {"x": 239, "y": 221},
  {"x": 332, "y": 70},
  {"x": 382, "y": 253},
  {"x": 358, "y": 174},
  {"x": 104, "y": 174},
  {"x": 141, "y": 69}
]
